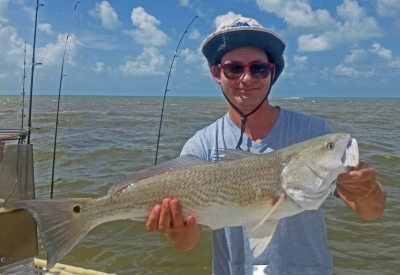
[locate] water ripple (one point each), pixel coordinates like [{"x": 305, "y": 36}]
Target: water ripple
[{"x": 102, "y": 139}]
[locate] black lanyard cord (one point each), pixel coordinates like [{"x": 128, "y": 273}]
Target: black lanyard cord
[{"x": 244, "y": 117}]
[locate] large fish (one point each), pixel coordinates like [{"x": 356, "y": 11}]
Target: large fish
[{"x": 240, "y": 189}]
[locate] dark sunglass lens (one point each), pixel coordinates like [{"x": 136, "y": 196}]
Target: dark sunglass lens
[
  {"x": 260, "y": 70},
  {"x": 233, "y": 70}
]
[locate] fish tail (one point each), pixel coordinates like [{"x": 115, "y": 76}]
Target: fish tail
[{"x": 62, "y": 224}]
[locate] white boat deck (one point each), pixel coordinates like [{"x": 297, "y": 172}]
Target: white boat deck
[{"x": 37, "y": 267}]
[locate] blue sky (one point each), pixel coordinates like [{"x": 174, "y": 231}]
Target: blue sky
[{"x": 120, "y": 47}]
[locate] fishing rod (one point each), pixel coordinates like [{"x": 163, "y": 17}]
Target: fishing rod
[
  {"x": 20, "y": 133},
  {"x": 23, "y": 89},
  {"x": 32, "y": 71},
  {"x": 58, "y": 102},
  {"x": 166, "y": 88}
]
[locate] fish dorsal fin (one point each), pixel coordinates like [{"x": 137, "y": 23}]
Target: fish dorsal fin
[
  {"x": 168, "y": 166},
  {"x": 227, "y": 155}
]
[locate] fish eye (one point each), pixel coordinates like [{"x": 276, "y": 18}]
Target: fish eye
[{"x": 330, "y": 145}]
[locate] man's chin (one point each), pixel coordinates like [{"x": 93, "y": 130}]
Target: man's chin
[{"x": 247, "y": 103}]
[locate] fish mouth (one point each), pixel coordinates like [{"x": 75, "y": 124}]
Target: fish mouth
[{"x": 350, "y": 157}]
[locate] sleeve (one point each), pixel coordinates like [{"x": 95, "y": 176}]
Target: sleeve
[
  {"x": 194, "y": 147},
  {"x": 327, "y": 128}
]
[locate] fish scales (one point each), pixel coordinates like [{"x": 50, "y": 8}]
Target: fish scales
[{"x": 228, "y": 183}]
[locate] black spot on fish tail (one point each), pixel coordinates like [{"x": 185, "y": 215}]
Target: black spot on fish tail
[
  {"x": 60, "y": 228},
  {"x": 76, "y": 209}
]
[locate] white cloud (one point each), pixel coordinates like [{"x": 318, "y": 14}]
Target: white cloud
[
  {"x": 313, "y": 43},
  {"x": 300, "y": 61},
  {"x": 45, "y": 27},
  {"x": 190, "y": 56},
  {"x": 395, "y": 63},
  {"x": 97, "y": 41},
  {"x": 222, "y": 18},
  {"x": 286, "y": 59},
  {"x": 381, "y": 51},
  {"x": 52, "y": 53},
  {"x": 193, "y": 6},
  {"x": 385, "y": 54},
  {"x": 357, "y": 25},
  {"x": 357, "y": 56},
  {"x": 147, "y": 33},
  {"x": 3, "y": 8},
  {"x": 150, "y": 62},
  {"x": 299, "y": 14},
  {"x": 185, "y": 3},
  {"x": 318, "y": 30},
  {"x": 196, "y": 57},
  {"x": 107, "y": 14},
  {"x": 99, "y": 67},
  {"x": 351, "y": 72},
  {"x": 30, "y": 11},
  {"x": 194, "y": 34},
  {"x": 12, "y": 49},
  {"x": 388, "y": 8}
]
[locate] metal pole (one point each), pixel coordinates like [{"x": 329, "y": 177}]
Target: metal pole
[{"x": 33, "y": 69}]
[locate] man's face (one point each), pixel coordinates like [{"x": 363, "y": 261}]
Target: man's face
[{"x": 246, "y": 92}]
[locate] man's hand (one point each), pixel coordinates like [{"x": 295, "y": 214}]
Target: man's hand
[
  {"x": 360, "y": 190},
  {"x": 167, "y": 218}
]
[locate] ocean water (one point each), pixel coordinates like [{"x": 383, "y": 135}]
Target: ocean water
[{"x": 102, "y": 139}]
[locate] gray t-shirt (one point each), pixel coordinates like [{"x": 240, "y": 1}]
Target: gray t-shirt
[{"x": 299, "y": 245}]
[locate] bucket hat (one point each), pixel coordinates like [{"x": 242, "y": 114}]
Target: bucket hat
[{"x": 244, "y": 32}]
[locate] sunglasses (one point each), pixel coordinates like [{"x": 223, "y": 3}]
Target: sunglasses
[{"x": 258, "y": 70}]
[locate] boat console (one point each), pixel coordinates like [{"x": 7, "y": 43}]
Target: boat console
[{"x": 18, "y": 235}]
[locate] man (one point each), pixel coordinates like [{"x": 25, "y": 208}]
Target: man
[{"x": 246, "y": 60}]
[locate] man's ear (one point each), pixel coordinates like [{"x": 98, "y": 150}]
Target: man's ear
[{"x": 216, "y": 73}]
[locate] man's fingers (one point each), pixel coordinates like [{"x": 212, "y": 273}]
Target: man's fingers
[
  {"x": 361, "y": 175},
  {"x": 165, "y": 217},
  {"x": 177, "y": 216},
  {"x": 152, "y": 222},
  {"x": 353, "y": 194},
  {"x": 168, "y": 218},
  {"x": 191, "y": 223}
]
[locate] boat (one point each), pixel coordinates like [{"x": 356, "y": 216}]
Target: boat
[
  {"x": 18, "y": 234},
  {"x": 295, "y": 97}
]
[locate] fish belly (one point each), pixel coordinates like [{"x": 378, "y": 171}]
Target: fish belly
[{"x": 218, "y": 216}]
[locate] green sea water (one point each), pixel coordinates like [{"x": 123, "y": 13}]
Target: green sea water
[{"x": 102, "y": 139}]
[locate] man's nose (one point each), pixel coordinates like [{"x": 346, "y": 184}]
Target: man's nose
[{"x": 247, "y": 75}]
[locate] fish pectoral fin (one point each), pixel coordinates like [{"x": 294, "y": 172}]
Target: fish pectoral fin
[
  {"x": 260, "y": 233},
  {"x": 276, "y": 203},
  {"x": 261, "y": 236},
  {"x": 214, "y": 227}
]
